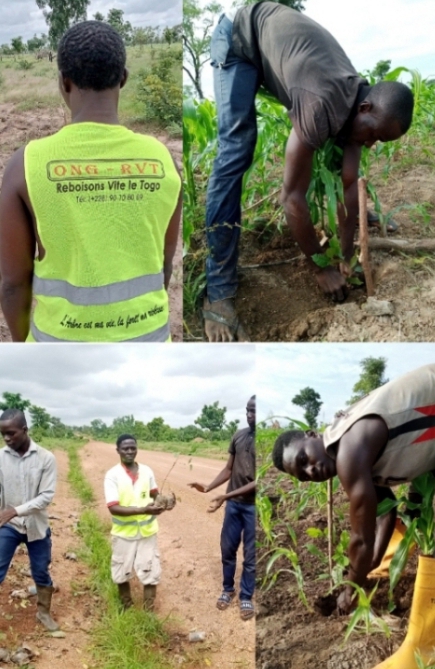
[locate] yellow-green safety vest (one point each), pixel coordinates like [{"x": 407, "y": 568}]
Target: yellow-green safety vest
[
  {"x": 138, "y": 494},
  {"x": 103, "y": 197}
]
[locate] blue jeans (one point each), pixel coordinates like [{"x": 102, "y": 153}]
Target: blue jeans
[
  {"x": 39, "y": 554},
  {"x": 239, "y": 522},
  {"x": 236, "y": 83}
]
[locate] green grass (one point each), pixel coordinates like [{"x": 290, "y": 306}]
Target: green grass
[
  {"x": 207, "y": 449},
  {"x": 131, "y": 640},
  {"x": 37, "y": 87}
]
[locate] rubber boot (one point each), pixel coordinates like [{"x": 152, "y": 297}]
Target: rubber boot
[
  {"x": 125, "y": 595},
  {"x": 149, "y": 596},
  {"x": 44, "y": 594},
  {"x": 398, "y": 533},
  {"x": 420, "y": 637}
]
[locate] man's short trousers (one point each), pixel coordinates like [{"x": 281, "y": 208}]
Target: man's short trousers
[{"x": 141, "y": 556}]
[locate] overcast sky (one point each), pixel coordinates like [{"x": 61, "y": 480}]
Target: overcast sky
[
  {"x": 23, "y": 18},
  {"x": 369, "y": 31},
  {"x": 331, "y": 369},
  {"x": 80, "y": 382}
]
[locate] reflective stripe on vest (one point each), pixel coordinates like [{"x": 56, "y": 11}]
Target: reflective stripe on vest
[
  {"x": 113, "y": 292},
  {"x": 141, "y": 523},
  {"x": 162, "y": 334}
]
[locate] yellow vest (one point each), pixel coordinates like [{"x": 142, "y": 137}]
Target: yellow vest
[
  {"x": 103, "y": 197},
  {"x": 134, "y": 495}
]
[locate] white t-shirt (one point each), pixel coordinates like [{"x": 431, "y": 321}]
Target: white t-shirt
[{"x": 407, "y": 405}]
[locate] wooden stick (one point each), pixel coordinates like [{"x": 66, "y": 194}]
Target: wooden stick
[
  {"x": 330, "y": 528},
  {"x": 364, "y": 235},
  {"x": 403, "y": 245}
]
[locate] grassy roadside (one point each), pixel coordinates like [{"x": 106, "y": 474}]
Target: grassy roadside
[
  {"x": 130, "y": 640},
  {"x": 216, "y": 450}
]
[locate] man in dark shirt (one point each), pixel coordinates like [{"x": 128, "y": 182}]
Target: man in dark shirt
[
  {"x": 239, "y": 517},
  {"x": 304, "y": 67}
]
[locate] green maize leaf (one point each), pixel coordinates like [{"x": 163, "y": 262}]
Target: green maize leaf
[
  {"x": 321, "y": 260},
  {"x": 313, "y": 550},
  {"x": 314, "y": 532},
  {"x": 400, "y": 557},
  {"x": 357, "y": 616},
  {"x": 386, "y": 505},
  {"x": 395, "y": 74},
  {"x": 331, "y": 199}
]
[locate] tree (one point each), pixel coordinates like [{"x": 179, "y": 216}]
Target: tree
[
  {"x": 98, "y": 16},
  {"x": 381, "y": 68},
  {"x": 197, "y": 25},
  {"x": 18, "y": 45},
  {"x": 157, "y": 430},
  {"x": 123, "y": 425},
  {"x": 41, "y": 419},
  {"x": 35, "y": 43},
  {"x": 61, "y": 15},
  {"x": 98, "y": 428},
  {"x": 14, "y": 401},
  {"x": 309, "y": 400},
  {"x": 212, "y": 417},
  {"x": 115, "y": 18},
  {"x": 372, "y": 377}
]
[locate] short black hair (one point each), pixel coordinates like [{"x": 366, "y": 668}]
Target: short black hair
[
  {"x": 92, "y": 54},
  {"x": 395, "y": 100},
  {"x": 16, "y": 415},
  {"x": 124, "y": 437},
  {"x": 284, "y": 439}
]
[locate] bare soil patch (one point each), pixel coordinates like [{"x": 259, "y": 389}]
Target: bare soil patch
[
  {"x": 19, "y": 127},
  {"x": 73, "y": 605},
  {"x": 190, "y": 553},
  {"x": 281, "y": 302}
]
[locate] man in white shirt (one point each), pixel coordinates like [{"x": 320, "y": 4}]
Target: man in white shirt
[{"x": 27, "y": 484}]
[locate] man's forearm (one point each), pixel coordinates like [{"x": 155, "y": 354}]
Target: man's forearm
[
  {"x": 361, "y": 558},
  {"x": 301, "y": 227},
  {"x": 16, "y": 302},
  {"x": 221, "y": 478},
  {"x": 119, "y": 510},
  {"x": 242, "y": 491}
]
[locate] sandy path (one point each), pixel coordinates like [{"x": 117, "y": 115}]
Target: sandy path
[
  {"x": 189, "y": 545},
  {"x": 72, "y": 605}
]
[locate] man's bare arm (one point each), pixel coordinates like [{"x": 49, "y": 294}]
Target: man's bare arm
[
  {"x": 357, "y": 452},
  {"x": 171, "y": 237},
  {"x": 17, "y": 250},
  {"x": 221, "y": 478},
  {"x": 297, "y": 177}
]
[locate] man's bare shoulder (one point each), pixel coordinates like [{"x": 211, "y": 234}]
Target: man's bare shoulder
[{"x": 14, "y": 171}]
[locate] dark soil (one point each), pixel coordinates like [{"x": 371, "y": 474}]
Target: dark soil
[{"x": 289, "y": 635}]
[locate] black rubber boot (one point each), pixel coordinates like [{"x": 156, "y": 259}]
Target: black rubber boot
[
  {"x": 149, "y": 596},
  {"x": 125, "y": 595},
  {"x": 44, "y": 595}
]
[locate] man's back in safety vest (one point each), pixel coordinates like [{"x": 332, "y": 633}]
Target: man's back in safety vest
[{"x": 103, "y": 197}]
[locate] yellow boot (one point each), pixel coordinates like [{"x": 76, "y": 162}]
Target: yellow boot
[
  {"x": 420, "y": 637},
  {"x": 398, "y": 533}
]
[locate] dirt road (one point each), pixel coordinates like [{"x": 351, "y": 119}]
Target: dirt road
[{"x": 189, "y": 545}]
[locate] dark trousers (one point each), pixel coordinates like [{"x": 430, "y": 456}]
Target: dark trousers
[
  {"x": 39, "y": 553},
  {"x": 236, "y": 83},
  {"x": 239, "y": 524}
]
